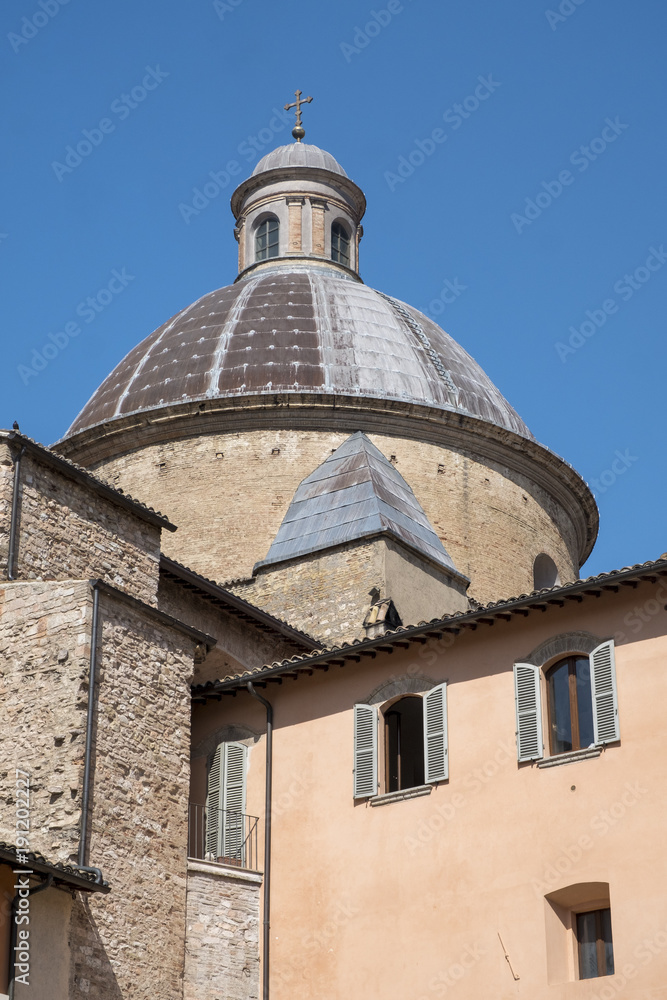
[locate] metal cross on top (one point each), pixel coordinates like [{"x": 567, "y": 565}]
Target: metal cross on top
[{"x": 298, "y": 131}]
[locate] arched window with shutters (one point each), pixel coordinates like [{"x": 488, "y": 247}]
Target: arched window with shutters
[
  {"x": 581, "y": 703},
  {"x": 225, "y": 803},
  {"x": 340, "y": 244},
  {"x": 267, "y": 239},
  {"x": 414, "y": 743}
]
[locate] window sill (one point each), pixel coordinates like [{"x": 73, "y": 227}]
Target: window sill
[
  {"x": 226, "y": 871},
  {"x": 407, "y": 793},
  {"x": 570, "y": 758}
]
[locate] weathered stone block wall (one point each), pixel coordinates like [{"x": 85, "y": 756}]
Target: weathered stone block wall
[
  {"x": 44, "y": 652},
  {"x": 229, "y": 492},
  {"x": 67, "y": 531},
  {"x": 222, "y": 948},
  {"x": 130, "y": 944},
  {"x": 241, "y": 646}
]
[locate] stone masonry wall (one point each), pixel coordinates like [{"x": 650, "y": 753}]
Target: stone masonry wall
[
  {"x": 222, "y": 950},
  {"x": 241, "y": 645},
  {"x": 130, "y": 944},
  {"x": 44, "y": 652},
  {"x": 67, "y": 531},
  {"x": 229, "y": 493}
]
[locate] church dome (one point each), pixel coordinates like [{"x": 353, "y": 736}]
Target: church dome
[
  {"x": 222, "y": 412},
  {"x": 299, "y": 154},
  {"x": 299, "y": 330}
]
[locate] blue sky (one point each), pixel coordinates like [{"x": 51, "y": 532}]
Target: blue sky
[{"x": 540, "y": 198}]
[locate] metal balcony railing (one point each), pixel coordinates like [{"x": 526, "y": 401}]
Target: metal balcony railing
[{"x": 221, "y": 835}]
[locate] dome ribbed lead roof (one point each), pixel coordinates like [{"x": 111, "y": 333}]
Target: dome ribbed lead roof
[
  {"x": 298, "y": 330},
  {"x": 299, "y": 154}
]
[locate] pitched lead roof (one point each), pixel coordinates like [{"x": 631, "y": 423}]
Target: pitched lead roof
[{"x": 356, "y": 493}]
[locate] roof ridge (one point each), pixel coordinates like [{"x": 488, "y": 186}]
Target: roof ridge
[
  {"x": 54, "y": 458},
  {"x": 444, "y": 623}
]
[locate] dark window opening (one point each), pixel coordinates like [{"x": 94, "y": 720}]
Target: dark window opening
[
  {"x": 570, "y": 705},
  {"x": 340, "y": 245},
  {"x": 594, "y": 944},
  {"x": 266, "y": 239},
  {"x": 404, "y": 744},
  {"x": 545, "y": 572}
]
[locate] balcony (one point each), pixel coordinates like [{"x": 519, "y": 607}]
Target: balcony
[{"x": 230, "y": 838}]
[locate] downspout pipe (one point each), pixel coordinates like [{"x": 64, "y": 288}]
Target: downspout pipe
[
  {"x": 46, "y": 884},
  {"x": 267, "y": 840},
  {"x": 13, "y": 524},
  {"x": 92, "y": 678}
]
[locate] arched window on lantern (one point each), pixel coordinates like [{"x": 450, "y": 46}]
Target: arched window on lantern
[
  {"x": 340, "y": 244},
  {"x": 267, "y": 237}
]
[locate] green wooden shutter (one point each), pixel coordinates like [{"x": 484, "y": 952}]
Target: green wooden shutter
[
  {"x": 225, "y": 802},
  {"x": 365, "y": 751},
  {"x": 603, "y": 690},
  {"x": 528, "y": 712},
  {"x": 233, "y": 801},
  {"x": 436, "y": 753},
  {"x": 213, "y": 805}
]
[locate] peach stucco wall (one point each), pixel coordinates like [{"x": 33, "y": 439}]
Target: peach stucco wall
[{"x": 411, "y": 899}]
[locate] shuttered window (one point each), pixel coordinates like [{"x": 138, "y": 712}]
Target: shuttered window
[
  {"x": 436, "y": 757},
  {"x": 603, "y": 689},
  {"x": 528, "y": 712},
  {"x": 365, "y": 751},
  {"x": 225, "y": 802},
  {"x": 582, "y": 701}
]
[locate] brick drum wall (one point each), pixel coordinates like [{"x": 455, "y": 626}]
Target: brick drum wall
[
  {"x": 492, "y": 522},
  {"x": 325, "y": 595},
  {"x": 222, "y": 952}
]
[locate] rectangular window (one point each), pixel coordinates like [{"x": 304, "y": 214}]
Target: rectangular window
[{"x": 594, "y": 944}]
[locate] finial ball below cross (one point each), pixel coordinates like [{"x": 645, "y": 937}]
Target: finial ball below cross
[{"x": 298, "y": 131}]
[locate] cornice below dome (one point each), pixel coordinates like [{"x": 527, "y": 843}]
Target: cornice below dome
[{"x": 299, "y": 330}]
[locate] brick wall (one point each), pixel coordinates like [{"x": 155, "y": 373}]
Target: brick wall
[
  {"x": 229, "y": 493},
  {"x": 325, "y": 594}
]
